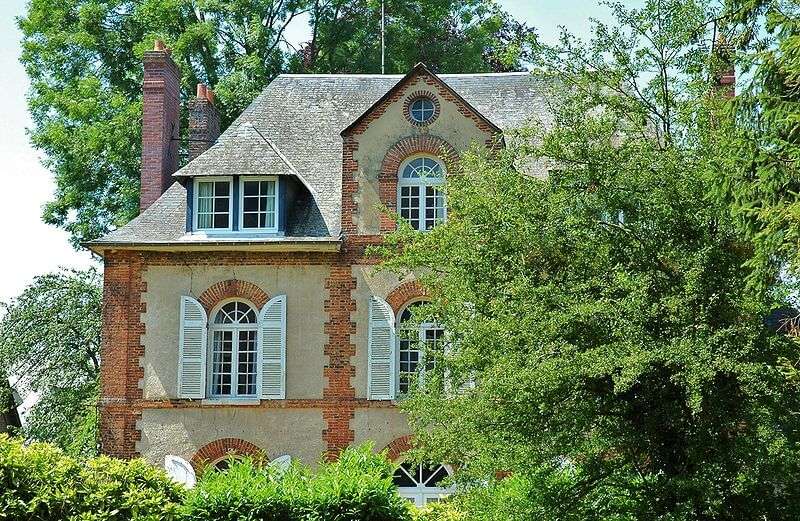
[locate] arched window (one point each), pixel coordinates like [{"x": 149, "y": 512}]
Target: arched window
[
  {"x": 419, "y": 196},
  {"x": 412, "y": 339},
  {"x": 233, "y": 370},
  {"x": 422, "y": 484}
]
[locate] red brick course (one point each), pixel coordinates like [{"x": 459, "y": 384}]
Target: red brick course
[
  {"x": 437, "y": 107},
  {"x": 405, "y": 293},
  {"x": 219, "y": 449},
  {"x": 398, "y": 447},
  {"x": 233, "y": 288}
]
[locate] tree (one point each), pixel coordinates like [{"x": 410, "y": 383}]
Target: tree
[
  {"x": 50, "y": 344},
  {"x": 759, "y": 176},
  {"x": 605, "y": 348},
  {"x": 83, "y": 58}
]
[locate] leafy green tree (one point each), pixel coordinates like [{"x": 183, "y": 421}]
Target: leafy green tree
[
  {"x": 83, "y": 58},
  {"x": 50, "y": 345},
  {"x": 759, "y": 174},
  {"x": 605, "y": 348}
]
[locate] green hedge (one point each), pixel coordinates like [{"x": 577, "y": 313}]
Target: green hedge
[{"x": 39, "y": 482}]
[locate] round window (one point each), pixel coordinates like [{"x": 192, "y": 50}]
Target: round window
[{"x": 422, "y": 110}]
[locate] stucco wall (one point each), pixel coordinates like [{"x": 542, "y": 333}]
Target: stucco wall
[
  {"x": 380, "y": 426},
  {"x": 392, "y": 126},
  {"x": 183, "y": 432},
  {"x": 304, "y": 287}
]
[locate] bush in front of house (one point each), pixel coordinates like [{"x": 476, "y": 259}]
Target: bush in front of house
[
  {"x": 39, "y": 482},
  {"x": 355, "y": 487}
]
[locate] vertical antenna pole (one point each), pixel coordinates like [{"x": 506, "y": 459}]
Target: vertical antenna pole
[{"x": 383, "y": 36}]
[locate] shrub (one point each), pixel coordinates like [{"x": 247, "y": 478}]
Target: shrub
[
  {"x": 39, "y": 482},
  {"x": 356, "y": 486}
]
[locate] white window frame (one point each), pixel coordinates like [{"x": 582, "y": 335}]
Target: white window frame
[
  {"x": 422, "y": 494},
  {"x": 242, "y": 180},
  {"x": 421, "y": 329},
  {"x": 235, "y": 328},
  {"x": 196, "y": 199},
  {"x": 432, "y": 109},
  {"x": 422, "y": 183}
]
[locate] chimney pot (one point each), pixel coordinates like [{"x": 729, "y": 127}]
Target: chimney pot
[
  {"x": 201, "y": 90},
  {"x": 203, "y": 121},
  {"x": 210, "y": 96},
  {"x": 159, "y": 45}
]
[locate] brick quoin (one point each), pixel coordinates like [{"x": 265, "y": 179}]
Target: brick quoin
[
  {"x": 223, "y": 447},
  {"x": 233, "y": 288}
]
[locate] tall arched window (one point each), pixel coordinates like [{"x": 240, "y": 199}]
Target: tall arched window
[
  {"x": 419, "y": 197},
  {"x": 412, "y": 339},
  {"x": 421, "y": 484},
  {"x": 233, "y": 371}
]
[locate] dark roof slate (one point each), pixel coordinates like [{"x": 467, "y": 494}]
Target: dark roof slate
[{"x": 294, "y": 128}]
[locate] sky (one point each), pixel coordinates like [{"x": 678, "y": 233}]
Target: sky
[{"x": 32, "y": 247}]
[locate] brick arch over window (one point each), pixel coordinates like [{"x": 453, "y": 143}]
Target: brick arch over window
[
  {"x": 216, "y": 450},
  {"x": 398, "y": 447},
  {"x": 402, "y": 150},
  {"x": 405, "y": 292},
  {"x": 233, "y": 289}
]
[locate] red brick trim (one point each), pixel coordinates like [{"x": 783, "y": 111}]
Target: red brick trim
[
  {"x": 404, "y": 293},
  {"x": 216, "y": 450},
  {"x": 233, "y": 288},
  {"x": 437, "y": 107},
  {"x": 390, "y": 167},
  {"x": 398, "y": 447}
]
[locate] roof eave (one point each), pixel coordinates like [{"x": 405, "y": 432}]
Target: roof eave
[{"x": 326, "y": 244}]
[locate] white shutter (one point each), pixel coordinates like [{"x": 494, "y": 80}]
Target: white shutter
[
  {"x": 272, "y": 349},
  {"x": 192, "y": 349},
  {"x": 381, "y": 351}
]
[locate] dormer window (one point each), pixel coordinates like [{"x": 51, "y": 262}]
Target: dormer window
[
  {"x": 259, "y": 204},
  {"x": 236, "y": 204},
  {"x": 213, "y": 204}
]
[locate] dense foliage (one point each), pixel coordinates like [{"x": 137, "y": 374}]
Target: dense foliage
[
  {"x": 621, "y": 365},
  {"x": 39, "y": 483},
  {"x": 355, "y": 487},
  {"x": 83, "y": 58},
  {"x": 50, "y": 346}
]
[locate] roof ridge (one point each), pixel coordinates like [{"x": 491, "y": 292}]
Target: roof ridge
[{"x": 398, "y": 76}]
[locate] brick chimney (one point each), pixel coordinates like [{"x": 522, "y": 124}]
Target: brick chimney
[
  {"x": 725, "y": 75},
  {"x": 203, "y": 121},
  {"x": 160, "y": 123}
]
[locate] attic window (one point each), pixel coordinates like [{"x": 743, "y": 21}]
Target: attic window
[
  {"x": 213, "y": 203},
  {"x": 421, "y": 108}
]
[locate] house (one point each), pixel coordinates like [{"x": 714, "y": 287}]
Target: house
[{"x": 241, "y": 313}]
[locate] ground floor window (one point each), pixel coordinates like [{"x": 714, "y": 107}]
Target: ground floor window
[{"x": 422, "y": 484}]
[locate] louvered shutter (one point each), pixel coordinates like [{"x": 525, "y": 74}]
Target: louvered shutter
[
  {"x": 192, "y": 349},
  {"x": 272, "y": 349},
  {"x": 381, "y": 351}
]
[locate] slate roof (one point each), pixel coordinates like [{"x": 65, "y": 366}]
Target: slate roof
[{"x": 294, "y": 128}]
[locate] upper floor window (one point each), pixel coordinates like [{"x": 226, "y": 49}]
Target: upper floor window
[
  {"x": 234, "y": 351},
  {"x": 213, "y": 203},
  {"x": 422, "y": 110},
  {"x": 256, "y": 208},
  {"x": 259, "y": 203},
  {"x": 420, "y": 199}
]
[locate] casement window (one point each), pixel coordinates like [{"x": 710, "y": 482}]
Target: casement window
[
  {"x": 396, "y": 349},
  {"x": 259, "y": 203},
  {"x": 251, "y": 204},
  {"x": 422, "y": 484},
  {"x": 241, "y": 353},
  {"x": 420, "y": 200},
  {"x": 213, "y": 203}
]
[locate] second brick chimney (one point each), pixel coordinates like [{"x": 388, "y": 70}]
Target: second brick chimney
[
  {"x": 203, "y": 121},
  {"x": 160, "y": 123}
]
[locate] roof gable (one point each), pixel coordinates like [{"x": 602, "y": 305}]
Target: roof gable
[{"x": 419, "y": 70}]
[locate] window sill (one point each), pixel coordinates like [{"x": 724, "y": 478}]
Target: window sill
[{"x": 231, "y": 401}]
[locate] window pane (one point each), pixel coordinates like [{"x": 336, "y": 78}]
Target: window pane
[
  {"x": 221, "y": 204},
  {"x": 222, "y": 188},
  {"x": 205, "y": 189},
  {"x": 221, "y": 220},
  {"x": 250, "y": 188},
  {"x": 204, "y": 220},
  {"x": 250, "y": 220},
  {"x": 250, "y": 204}
]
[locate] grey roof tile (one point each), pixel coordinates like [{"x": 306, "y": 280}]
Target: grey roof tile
[{"x": 293, "y": 128}]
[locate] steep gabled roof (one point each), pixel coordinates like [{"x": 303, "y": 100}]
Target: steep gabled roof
[
  {"x": 418, "y": 70},
  {"x": 294, "y": 128}
]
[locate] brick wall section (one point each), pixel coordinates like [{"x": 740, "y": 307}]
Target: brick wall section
[
  {"x": 120, "y": 372},
  {"x": 398, "y": 447},
  {"x": 218, "y": 449},
  {"x": 203, "y": 121},
  {"x": 233, "y": 288},
  {"x": 160, "y": 124}
]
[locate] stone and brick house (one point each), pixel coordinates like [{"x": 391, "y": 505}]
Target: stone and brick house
[{"x": 241, "y": 313}]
